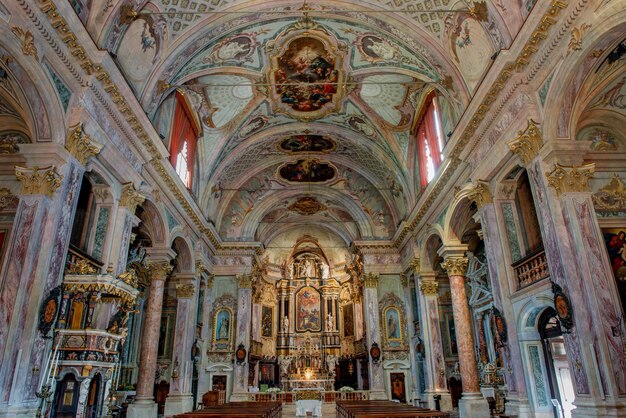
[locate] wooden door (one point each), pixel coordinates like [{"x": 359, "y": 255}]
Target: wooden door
[{"x": 66, "y": 397}]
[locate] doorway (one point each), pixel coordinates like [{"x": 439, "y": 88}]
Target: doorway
[
  {"x": 92, "y": 409},
  {"x": 559, "y": 376},
  {"x": 66, "y": 397}
]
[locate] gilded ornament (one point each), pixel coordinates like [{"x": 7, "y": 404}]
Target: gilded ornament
[
  {"x": 565, "y": 179},
  {"x": 28, "y": 41},
  {"x": 481, "y": 194},
  {"x": 209, "y": 281},
  {"x": 129, "y": 277},
  {"x": 130, "y": 198},
  {"x": 610, "y": 198},
  {"x": 159, "y": 270},
  {"x": 185, "y": 290},
  {"x": 81, "y": 145},
  {"x": 244, "y": 281},
  {"x": 9, "y": 143},
  {"x": 201, "y": 267},
  {"x": 527, "y": 143},
  {"x": 429, "y": 287},
  {"x": 81, "y": 267},
  {"x": 415, "y": 264},
  {"x": 404, "y": 280},
  {"x": 370, "y": 280},
  {"x": 7, "y": 199},
  {"x": 576, "y": 40},
  {"x": 307, "y": 206},
  {"x": 455, "y": 266},
  {"x": 37, "y": 180}
]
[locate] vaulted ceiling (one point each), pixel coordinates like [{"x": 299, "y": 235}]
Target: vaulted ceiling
[{"x": 306, "y": 108}]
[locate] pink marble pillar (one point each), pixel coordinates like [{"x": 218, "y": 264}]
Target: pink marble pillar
[
  {"x": 160, "y": 268},
  {"x": 435, "y": 367},
  {"x": 180, "y": 400},
  {"x": 472, "y": 403}
]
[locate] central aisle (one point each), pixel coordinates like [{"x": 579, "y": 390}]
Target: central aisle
[{"x": 328, "y": 410}]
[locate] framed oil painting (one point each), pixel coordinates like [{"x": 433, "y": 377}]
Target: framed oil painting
[
  {"x": 166, "y": 334},
  {"x": 222, "y": 328},
  {"x": 615, "y": 240},
  {"x": 347, "y": 314},
  {"x": 392, "y": 324},
  {"x": 450, "y": 335},
  {"x": 308, "y": 317},
  {"x": 398, "y": 390},
  {"x": 307, "y": 170},
  {"x": 267, "y": 321}
]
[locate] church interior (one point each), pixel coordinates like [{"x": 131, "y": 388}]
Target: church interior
[{"x": 338, "y": 208}]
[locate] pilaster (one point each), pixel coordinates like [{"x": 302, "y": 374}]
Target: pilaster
[
  {"x": 372, "y": 327},
  {"x": 242, "y": 336}
]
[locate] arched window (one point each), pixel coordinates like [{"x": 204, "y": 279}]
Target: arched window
[
  {"x": 185, "y": 131},
  {"x": 428, "y": 133}
]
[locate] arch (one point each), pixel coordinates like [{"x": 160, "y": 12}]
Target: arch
[
  {"x": 574, "y": 74},
  {"x": 528, "y": 317},
  {"x": 459, "y": 216},
  {"x": 430, "y": 245},
  {"x": 184, "y": 257},
  {"x": 332, "y": 228},
  {"x": 152, "y": 223}
]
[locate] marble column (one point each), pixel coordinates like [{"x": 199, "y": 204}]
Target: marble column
[
  {"x": 372, "y": 331},
  {"x": 472, "y": 404},
  {"x": 160, "y": 268},
  {"x": 35, "y": 262},
  {"x": 124, "y": 221},
  {"x": 578, "y": 263},
  {"x": 408, "y": 302},
  {"x": 244, "y": 319},
  {"x": 495, "y": 241},
  {"x": 180, "y": 399},
  {"x": 434, "y": 361}
]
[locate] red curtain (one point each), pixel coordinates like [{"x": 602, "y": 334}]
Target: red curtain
[
  {"x": 426, "y": 133},
  {"x": 183, "y": 131}
]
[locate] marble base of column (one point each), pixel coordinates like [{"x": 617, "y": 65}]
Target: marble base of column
[
  {"x": 591, "y": 408},
  {"x": 378, "y": 395},
  {"x": 473, "y": 405},
  {"x": 445, "y": 403},
  {"x": 519, "y": 407},
  {"x": 178, "y": 404},
  {"x": 142, "y": 408}
]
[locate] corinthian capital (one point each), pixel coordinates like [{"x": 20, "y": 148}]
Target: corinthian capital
[
  {"x": 244, "y": 281},
  {"x": 159, "y": 270},
  {"x": 370, "y": 280},
  {"x": 566, "y": 179},
  {"x": 39, "y": 180},
  {"x": 81, "y": 145},
  {"x": 481, "y": 194},
  {"x": 185, "y": 290},
  {"x": 429, "y": 287},
  {"x": 455, "y": 266},
  {"x": 527, "y": 143},
  {"x": 130, "y": 198}
]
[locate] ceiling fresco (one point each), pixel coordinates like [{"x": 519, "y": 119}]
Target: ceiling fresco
[{"x": 307, "y": 107}]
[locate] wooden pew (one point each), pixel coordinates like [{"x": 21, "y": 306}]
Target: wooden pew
[
  {"x": 238, "y": 410},
  {"x": 383, "y": 409}
]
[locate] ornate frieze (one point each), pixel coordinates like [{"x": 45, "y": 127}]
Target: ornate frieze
[
  {"x": 37, "y": 180},
  {"x": 185, "y": 290},
  {"x": 130, "y": 198},
  {"x": 404, "y": 280},
  {"x": 565, "y": 179},
  {"x": 7, "y": 199},
  {"x": 429, "y": 287},
  {"x": 610, "y": 198},
  {"x": 481, "y": 194},
  {"x": 81, "y": 145},
  {"x": 527, "y": 143},
  {"x": 370, "y": 280},
  {"x": 159, "y": 270},
  {"x": 455, "y": 266}
]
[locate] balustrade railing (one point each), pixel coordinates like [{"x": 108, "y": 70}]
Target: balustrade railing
[
  {"x": 290, "y": 397},
  {"x": 531, "y": 269}
]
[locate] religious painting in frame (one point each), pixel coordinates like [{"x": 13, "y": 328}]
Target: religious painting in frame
[
  {"x": 307, "y": 170},
  {"x": 398, "y": 389},
  {"x": 267, "y": 321},
  {"x": 307, "y": 143},
  {"x": 615, "y": 240},
  {"x": 451, "y": 347},
  {"x": 347, "y": 314},
  {"x": 222, "y": 328},
  {"x": 392, "y": 326},
  {"x": 308, "y": 315},
  {"x": 306, "y": 71},
  {"x": 166, "y": 334}
]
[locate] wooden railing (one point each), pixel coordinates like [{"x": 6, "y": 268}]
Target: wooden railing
[{"x": 531, "y": 269}]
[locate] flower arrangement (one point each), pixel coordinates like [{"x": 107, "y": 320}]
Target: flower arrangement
[
  {"x": 346, "y": 389},
  {"x": 273, "y": 390}
]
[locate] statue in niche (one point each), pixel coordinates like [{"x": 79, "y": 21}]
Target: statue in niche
[
  {"x": 285, "y": 324},
  {"x": 330, "y": 322}
]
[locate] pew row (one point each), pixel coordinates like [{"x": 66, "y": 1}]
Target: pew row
[
  {"x": 383, "y": 409},
  {"x": 238, "y": 410}
]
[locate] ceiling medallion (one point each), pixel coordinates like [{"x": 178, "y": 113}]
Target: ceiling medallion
[
  {"x": 306, "y": 71},
  {"x": 307, "y": 170},
  {"x": 307, "y": 143},
  {"x": 307, "y": 206}
]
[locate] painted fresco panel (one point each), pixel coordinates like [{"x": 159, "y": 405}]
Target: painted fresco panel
[{"x": 308, "y": 310}]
